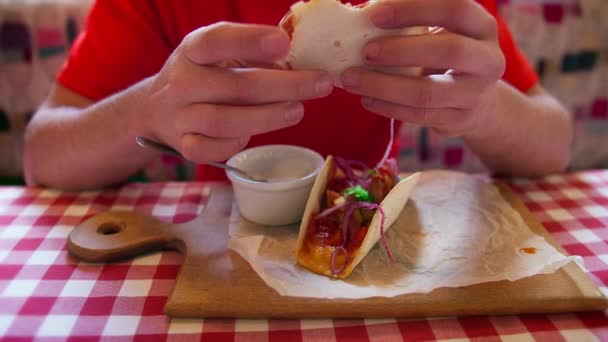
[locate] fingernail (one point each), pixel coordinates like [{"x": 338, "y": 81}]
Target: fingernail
[
  {"x": 351, "y": 79},
  {"x": 295, "y": 112},
  {"x": 324, "y": 85},
  {"x": 274, "y": 43},
  {"x": 367, "y": 101},
  {"x": 371, "y": 51},
  {"x": 383, "y": 15}
]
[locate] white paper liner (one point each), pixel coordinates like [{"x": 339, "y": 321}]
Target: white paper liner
[{"x": 456, "y": 230}]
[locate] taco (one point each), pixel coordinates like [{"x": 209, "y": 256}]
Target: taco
[
  {"x": 329, "y": 35},
  {"x": 349, "y": 209}
]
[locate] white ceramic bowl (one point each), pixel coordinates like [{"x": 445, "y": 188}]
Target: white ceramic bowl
[{"x": 293, "y": 170}]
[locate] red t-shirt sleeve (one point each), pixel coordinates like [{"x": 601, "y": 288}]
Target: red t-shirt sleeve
[
  {"x": 519, "y": 73},
  {"x": 121, "y": 44}
]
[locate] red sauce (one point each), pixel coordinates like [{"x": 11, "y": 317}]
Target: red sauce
[
  {"x": 356, "y": 240},
  {"x": 325, "y": 232},
  {"x": 528, "y": 250}
]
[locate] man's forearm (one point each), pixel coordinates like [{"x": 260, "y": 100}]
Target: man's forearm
[
  {"x": 529, "y": 135},
  {"x": 84, "y": 148}
]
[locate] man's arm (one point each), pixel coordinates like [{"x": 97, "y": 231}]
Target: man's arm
[
  {"x": 205, "y": 112},
  {"x": 72, "y": 143},
  {"x": 528, "y": 135}
]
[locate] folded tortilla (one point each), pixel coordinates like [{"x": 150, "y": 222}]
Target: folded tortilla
[
  {"x": 392, "y": 205},
  {"x": 329, "y": 35}
]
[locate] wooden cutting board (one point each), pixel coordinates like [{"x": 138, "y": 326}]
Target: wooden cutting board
[{"x": 214, "y": 281}]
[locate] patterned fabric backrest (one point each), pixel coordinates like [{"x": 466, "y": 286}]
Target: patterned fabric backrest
[
  {"x": 35, "y": 37},
  {"x": 567, "y": 41}
]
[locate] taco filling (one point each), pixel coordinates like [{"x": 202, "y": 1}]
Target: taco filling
[{"x": 352, "y": 197}]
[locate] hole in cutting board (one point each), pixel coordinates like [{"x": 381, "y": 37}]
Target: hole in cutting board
[{"x": 110, "y": 228}]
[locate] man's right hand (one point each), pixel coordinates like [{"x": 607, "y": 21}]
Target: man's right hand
[{"x": 209, "y": 112}]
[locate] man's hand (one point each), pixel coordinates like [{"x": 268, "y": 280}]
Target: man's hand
[
  {"x": 209, "y": 112},
  {"x": 463, "y": 58}
]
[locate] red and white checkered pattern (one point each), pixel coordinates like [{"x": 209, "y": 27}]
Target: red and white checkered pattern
[{"x": 46, "y": 294}]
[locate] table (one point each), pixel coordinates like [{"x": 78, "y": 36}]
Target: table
[{"x": 46, "y": 294}]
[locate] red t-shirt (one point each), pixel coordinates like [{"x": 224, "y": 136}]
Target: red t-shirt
[{"x": 126, "y": 41}]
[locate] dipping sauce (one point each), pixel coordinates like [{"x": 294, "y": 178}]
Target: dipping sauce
[
  {"x": 283, "y": 170},
  {"x": 291, "y": 171}
]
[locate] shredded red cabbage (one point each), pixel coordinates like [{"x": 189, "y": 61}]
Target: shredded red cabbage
[
  {"x": 331, "y": 210},
  {"x": 348, "y": 171},
  {"x": 389, "y": 146},
  {"x": 382, "y": 236},
  {"x": 332, "y": 260},
  {"x": 347, "y": 215},
  {"x": 390, "y": 165},
  {"x": 370, "y": 206},
  {"x": 355, "y": 164},
  {"x": 348, "y": 166}
]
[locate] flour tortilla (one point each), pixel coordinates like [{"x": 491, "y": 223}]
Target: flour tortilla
[
  {"x": 329, "y": 35},
  {"x": 392, "y": 205}
]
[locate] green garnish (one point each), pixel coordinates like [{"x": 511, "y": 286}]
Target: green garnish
[{"x": 360, "y": 194}]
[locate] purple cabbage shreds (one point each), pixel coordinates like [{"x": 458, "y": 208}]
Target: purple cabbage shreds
[
  {"x": 355, "y": 164},
  {"x": 365, "y": 180},
  {"x": 368, "y": 205},
  {"x": 343, "y": 165},
  {"x": 348, "y": 167},
  {"x": 392, "y": 167},
  {"x": 348, "y": 214},
  {"x": 331, "y": 210},
  {"x": 346, "y": 221},
  {"x": 332, "y": 260},
  {"x": 350, "y": 208},
  {"x": 389, "y": 145},
  {"x": 366, "y": 183}
]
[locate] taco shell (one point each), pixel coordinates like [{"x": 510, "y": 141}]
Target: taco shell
[
  {"x": 392, "y": 205},
  {"x": 329, "y": 35}
]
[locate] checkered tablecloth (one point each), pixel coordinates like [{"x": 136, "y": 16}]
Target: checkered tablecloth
[{"x": 46, "y": 294}]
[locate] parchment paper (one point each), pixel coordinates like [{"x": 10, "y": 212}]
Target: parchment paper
[{"x": 455, "y": 230}]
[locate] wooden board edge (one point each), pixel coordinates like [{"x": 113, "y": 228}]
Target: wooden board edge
[{"x": 548, "y": 306}]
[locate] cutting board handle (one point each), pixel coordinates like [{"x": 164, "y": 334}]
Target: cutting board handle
[{"x": 116, "y": 235}]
